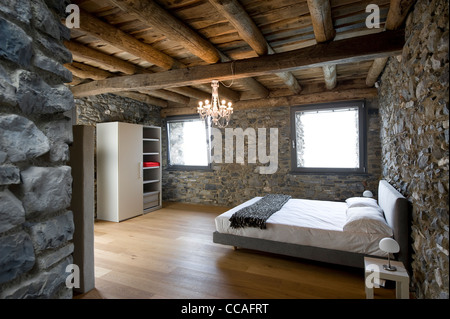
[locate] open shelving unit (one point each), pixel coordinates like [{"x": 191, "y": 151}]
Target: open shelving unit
[{"x": 151, "y": 153}]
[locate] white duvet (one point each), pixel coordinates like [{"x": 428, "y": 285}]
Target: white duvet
[{"x": 307, "y": 222}]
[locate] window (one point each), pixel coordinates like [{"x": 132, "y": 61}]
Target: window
[
  {"x": 188, "y": 143},
  {"x": 328, "y": 138}
]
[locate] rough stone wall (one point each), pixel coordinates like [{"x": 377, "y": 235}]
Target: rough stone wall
[
  {"x": 111, "y": 108},
  {"x": 230, "y": 184},
  {"x": 414, "y": 100},
  {"x": 36, "y": 227}
]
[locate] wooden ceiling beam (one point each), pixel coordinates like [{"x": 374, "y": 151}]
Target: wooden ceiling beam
[
  {"x": 286, "y": 101},
  {"x": 375, "y": 70},
  {"x": 398, "y": 10},
  {"x": 143, "y": 98},
  {"x": 250, "y": 83},
  {"x": 167, "y": 95},
  {"x": 250, "y": 33},
  {"x": 223, "y": 92},
  {"x": 85, "y": 71},
  {"x": 111, "y": 63},
  {"x": 343, "y": 51},
  {"x": 191, "y": 92},
  {"x": 320, "y": 11},
  {"x": 329, "y": 74},
  {"x": 82, "y": 71},
  {"x": 119, "y": 39},
  {"x": 149, "y": 12},
  {"x": 75, "y": 80},
  {"x": 233, "y": 11}
]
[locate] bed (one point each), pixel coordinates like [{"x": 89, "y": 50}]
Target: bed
[{"x": 325, "y": 231}]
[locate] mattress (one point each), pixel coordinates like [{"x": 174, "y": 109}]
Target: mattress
[{"x": 307, "y": 222}]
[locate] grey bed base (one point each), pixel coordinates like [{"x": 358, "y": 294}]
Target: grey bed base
[
  {"x": 396, "y": 211},
  {"x": 287, "y": 249}
]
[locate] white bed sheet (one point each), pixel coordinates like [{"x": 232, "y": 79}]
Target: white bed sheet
[{"x": 307, "y": 222}]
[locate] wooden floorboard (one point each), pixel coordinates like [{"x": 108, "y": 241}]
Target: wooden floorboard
[{"x": 169, "y": 254}]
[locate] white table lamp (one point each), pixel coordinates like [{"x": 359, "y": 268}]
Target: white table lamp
[{"x": 389, "y": 246}]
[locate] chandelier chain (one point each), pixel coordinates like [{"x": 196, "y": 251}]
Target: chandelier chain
[{"x": 232, "y": 76}]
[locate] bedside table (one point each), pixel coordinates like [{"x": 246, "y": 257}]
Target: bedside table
[{"x": 373, "y": 267}]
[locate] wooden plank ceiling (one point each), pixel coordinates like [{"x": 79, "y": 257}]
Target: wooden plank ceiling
[{"x": 264, "y": 52}]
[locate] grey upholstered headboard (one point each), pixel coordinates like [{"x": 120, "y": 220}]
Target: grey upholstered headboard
[{"x": 396, "y": 212}]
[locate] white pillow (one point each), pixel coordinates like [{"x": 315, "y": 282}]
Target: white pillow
[
  {"x": 362, "y": 202},
  {"x": 366, "y": 220}
]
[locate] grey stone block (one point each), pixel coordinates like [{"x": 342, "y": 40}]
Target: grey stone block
[
  {"x": 9, "y": 175},
  {"x": 36, "y": 96},
  {"x": 52, "y": 233},
  {"x": 57, "y": 49},
  {"x": 12, "y": 213},
  {"x": 30, "y": 91},
  {"x": 47, "y": 260},
  {"x": 46, "y": 189},
  {"x": 7, "y": 90},
  {"x": 44, "y": 19},
  {"x": 16, "y": 256},
  {"x": 44, "y": 285},
  {"x": 60, "y": 135},
  {"x": 2, "y": 157},
  {"x": 15, "y": 45},
  {"x": 59, "y": 6},
  {"x": 45, "y": 63},
  {"x": 59, "y": 131},
  {"x": 21, "y": 139},
  {"x": 18, "y": 9},
  {"x": 59, "y": 152}
]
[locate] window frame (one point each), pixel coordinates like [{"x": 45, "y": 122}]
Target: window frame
[
  {"x": 182, "y": 118},
  {"x": 362, "y": 118}
]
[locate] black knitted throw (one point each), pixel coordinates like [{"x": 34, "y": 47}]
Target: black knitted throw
[{"x": 256, "y": 214}]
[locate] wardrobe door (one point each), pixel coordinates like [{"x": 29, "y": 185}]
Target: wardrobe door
[{"x": 130, "y": 171}]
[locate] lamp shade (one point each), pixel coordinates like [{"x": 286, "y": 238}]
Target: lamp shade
[
  {"x": 368, "y": 194},
  {"x": 389, "y": 245}
]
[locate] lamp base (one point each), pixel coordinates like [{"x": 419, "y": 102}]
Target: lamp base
[{"x": 389, "y": 267}]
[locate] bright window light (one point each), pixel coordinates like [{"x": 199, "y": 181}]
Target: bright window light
[
  {"x": 329, "y": 138},
  {"x": 188, "y": 144}
]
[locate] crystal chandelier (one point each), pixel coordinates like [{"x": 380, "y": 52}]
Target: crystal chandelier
[{"x": 218, "y": 112}]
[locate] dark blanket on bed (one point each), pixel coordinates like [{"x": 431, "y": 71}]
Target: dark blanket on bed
[{"x": 256, "y": 214}]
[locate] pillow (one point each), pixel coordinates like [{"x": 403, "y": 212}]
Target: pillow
[
  {"x": 368, "y": 220},
  {"x": 362, "y": 202}
]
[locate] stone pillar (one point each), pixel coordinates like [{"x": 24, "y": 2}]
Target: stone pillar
[
  {"x": 36, "y": 227},
  {"x": 82, "y": 205}
]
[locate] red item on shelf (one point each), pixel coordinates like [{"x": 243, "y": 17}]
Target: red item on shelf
[{"x": 150, "y": 164}]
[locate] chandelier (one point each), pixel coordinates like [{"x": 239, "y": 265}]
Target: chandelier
[{"x": 217, "y": 112}]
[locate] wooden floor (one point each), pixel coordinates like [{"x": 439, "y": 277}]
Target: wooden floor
[{"x": 169, "y": 254}]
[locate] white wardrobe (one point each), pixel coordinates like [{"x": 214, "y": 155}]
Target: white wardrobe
[{"x": 125, "y": 188}]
